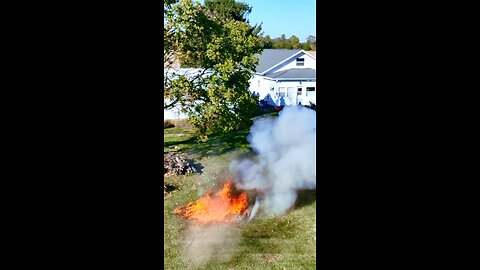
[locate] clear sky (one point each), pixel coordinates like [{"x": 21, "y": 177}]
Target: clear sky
[{"x": 289, "y": 17}]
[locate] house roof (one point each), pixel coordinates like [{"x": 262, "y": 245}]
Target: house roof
[
  {"x": 268, "y": 58},
  {"x": 271, "y": 57},
  {"x": 296, "y": 73}
]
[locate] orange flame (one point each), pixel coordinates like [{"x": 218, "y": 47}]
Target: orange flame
[{"x": 222, "y": 207}]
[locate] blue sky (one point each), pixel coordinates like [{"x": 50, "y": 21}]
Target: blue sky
[{"x": 289, "y": 17}]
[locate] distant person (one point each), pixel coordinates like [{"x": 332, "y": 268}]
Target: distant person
[{"x": 280, "y": 104}]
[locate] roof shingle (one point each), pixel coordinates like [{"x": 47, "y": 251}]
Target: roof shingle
[
  {"x": 271, "y": 57},
  {"x": 296, "y": 73}
]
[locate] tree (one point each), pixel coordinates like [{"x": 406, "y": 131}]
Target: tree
[
  {"x": 295, "y": 42},
  {"x": 312, "y": 40},
  {"x": 306, "y": 46},
  {"x": 281, "y": 42},
  {"x": 266, "y": 42},
  {"x": 226, "y": 10},
  {"x": 222, "y": 44}
]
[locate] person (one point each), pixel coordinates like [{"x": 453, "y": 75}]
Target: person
[{"x": 280, "y": 104}]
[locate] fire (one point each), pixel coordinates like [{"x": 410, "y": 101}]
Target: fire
[{"x": 221, "y": 207}]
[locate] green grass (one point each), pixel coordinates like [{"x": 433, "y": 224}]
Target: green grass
[
  {"x": 286, "y": 242},
  {"x": 183, "y": 139}
]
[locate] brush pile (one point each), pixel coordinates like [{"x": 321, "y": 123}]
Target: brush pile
[{"x": 175, "y": 164}]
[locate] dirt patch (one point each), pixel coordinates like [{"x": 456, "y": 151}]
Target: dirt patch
[{"x": 181, "y": 123}]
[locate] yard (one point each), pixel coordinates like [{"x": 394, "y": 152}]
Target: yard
[{"x": 267, "y": 242}]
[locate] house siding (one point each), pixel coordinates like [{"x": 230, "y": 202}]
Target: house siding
[
  {"x": 173, "y": 113},
  {"x": 264, "y": 87},
  {"x": 266, "y": 84},
  {"x": 294, "y": 100}
]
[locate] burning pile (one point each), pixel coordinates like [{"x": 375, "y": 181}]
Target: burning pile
[{"x": 224, "y": 206}]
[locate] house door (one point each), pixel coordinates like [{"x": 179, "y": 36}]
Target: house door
[
  {"x": 292, "y": 96},
  {"x": 299, "y": 95}
]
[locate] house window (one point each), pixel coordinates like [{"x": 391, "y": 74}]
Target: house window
[
  {"x": 300, "y": 62},
  {"x": 310, "y": 91},
  {"x": 290, "y": 91},
  {"x": 281, "y": 91},
  {"x": 258, "y": 83}
]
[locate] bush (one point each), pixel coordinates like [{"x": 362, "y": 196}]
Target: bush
[{"x": 168, "y": 124}]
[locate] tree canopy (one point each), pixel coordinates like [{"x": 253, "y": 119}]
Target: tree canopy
[
  {"x": 217, "y": 39},
  {"x": 225, "y": 10},
  {"x": 289, "y": 43}
]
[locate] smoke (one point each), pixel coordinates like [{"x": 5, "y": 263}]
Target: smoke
[
  {"x": 254, "y": 209},
  {"x": 203, "y": 243},
  {"x": 286, "y": 159}
]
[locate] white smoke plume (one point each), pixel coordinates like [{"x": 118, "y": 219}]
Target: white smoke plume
[
  {"x": 254, "y": 209},
  {"x": 286, "y": 159}
]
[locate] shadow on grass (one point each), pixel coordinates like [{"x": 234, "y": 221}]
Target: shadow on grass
[
  {"x": 190, "y": 141},
  {"x": 305, "y": 197},
  {"x": 170, "y": 188},
  {"x": 198, "y": 167},
  {"x": 217, "y": 144}
]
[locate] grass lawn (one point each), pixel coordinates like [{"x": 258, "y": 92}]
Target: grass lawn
[{"x": 267, "y": 242}]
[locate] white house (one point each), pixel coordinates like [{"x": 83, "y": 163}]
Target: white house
[
  {"x": 191, "y": 73},
  {"x": 282, "y": 77},
  {"x": 285, "y": 77}
]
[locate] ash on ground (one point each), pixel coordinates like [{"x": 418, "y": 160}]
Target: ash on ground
[{"x": 176, "y": 164}]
